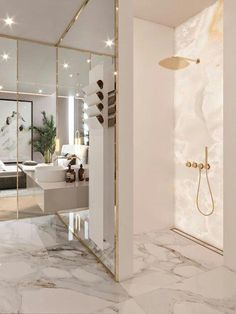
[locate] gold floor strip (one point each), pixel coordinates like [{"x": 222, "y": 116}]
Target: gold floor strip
[
  {"x": 85, "y": 245},
  {"x": 200, "y": 242}
]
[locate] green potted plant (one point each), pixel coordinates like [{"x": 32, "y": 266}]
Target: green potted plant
[{"x": 45, "y": 137}]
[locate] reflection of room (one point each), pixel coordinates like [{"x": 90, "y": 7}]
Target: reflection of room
[{"x": 46, "y": 125}]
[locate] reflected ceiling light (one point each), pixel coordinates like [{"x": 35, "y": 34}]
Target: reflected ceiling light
[
  {"x": 109, "y": 43},
  {"x": 115, "y": 73},
  {"x": 9, "y": 21},
  {"x": 77, "y": 94},
  {"x": 65, "y": 65},
  {"x": 85, "y": 106},
  {"x": 5, "y": 56},
  {"x": 1, "y": 87},
  {"x": 71, "y": 75},
  {"x": 40, "y": 91},
  {"x": 88, "y": 60}
]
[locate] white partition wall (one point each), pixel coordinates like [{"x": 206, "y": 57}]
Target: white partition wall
[{"x": 101, "y": 157}]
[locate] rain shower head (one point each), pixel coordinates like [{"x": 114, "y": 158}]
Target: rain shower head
[{"x": 177, "y": 63}]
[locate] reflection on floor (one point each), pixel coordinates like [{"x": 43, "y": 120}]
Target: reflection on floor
[
  {"x": 43, "y": 270},
  {"x": 78, "y": 223},
  {"x": 27, "y": 205}
]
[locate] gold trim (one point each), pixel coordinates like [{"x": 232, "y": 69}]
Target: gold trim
[
  {"x": 17, "y": 130},
  {"x": 200, "y": 242},
  {"x": 72, "y": 22},
  {"x": 117, "y": 143},
  {"x": 85, "y": 245}
]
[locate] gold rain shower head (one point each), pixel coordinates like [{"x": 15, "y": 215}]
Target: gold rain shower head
[{"x": 177, "y": 63}]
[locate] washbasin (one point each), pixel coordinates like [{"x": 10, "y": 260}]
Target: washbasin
[{"x": 50, "y": 173}]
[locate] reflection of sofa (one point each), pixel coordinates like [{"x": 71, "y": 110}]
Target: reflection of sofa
[
  {"x": 8, "y": 177},
  {"x": 81, "y": 151}
]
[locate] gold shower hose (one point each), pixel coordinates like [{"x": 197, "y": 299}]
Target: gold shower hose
[{"x": 208, "y": 183}]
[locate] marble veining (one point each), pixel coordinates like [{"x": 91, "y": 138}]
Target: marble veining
[
  {"x": 199, "y": 123},
  {"x": 47, "y": 271}
]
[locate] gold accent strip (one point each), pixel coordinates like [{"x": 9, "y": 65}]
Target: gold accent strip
[
  {"x": 17, "y": 131},
  {"x": 72, "y": 22},
  {"x": 84, "y": 244},
  {"x": 200, "y": 242},
  {"x": 117, "y": 218}
]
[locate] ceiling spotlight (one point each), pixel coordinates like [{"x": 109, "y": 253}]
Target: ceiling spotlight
[
  {"x": 88, "y": 60},
  {"x": 1, "y": 87},
  {"x": 5, "y": 56},
  {"x": 40, "y": 91},
  {"x": 71, "y": 75},
  {"x": 9, "y": 21},
  {"x": 65, "y": 65},
  {"x": 109, "y": 43},
  {"x": 77, "y": 94}
]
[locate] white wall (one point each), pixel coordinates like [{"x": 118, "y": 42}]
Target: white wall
[
  {"x": 153, "y": 127},
  {"x": 124, "y": 216},
  {"x": 229, "y": 133}
]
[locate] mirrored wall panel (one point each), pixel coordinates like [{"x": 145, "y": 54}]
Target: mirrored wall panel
[
  {"x": 8, "y": 130},
  {"x": 58, "y": 129}
]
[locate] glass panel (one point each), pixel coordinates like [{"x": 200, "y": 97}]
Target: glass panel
[
  {"x": 93, "y": 221},
  {"x": 37, "y": 96},
  {"x": 8, "y": 129}
]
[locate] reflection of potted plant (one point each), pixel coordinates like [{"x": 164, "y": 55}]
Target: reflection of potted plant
[{"x": 45, "y": 138}]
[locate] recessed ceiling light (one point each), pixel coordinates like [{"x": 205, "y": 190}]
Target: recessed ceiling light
[
  {"x": 9, "y": 21},
  {"x": 40, "y": 91},
  {"x": 5, "y": 56},
  {"x": 109, "y": 43},
  {"x": 71, "y": 75},
  {"x": 1, "y": 87},
  {"x": 65, "y": 65},
  {"x": 88, "y": 60}
]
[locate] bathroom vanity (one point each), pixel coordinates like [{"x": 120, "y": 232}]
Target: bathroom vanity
[{"x": 55, "y": 196}]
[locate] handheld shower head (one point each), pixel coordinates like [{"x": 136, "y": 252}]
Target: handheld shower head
[{"x": 177, "y": 63}]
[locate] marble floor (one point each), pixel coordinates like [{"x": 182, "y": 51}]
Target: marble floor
[{"x": 43, "y": 270}]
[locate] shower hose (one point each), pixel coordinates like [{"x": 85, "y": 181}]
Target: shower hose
[{"x": 210, "y": 191}]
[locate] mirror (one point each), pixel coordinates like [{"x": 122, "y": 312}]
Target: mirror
[{"x": 58, "y": 125}]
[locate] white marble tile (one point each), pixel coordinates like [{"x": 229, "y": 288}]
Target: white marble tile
[
  {"x": 59, "y": 301},
  {"x": 212, "y": 292},
  {"x": 127, "y": 307}
]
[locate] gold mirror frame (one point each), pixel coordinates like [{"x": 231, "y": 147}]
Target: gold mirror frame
[{"x": 115, "y": 60}]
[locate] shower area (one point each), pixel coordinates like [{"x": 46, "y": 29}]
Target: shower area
[{"x": 183, "y": 126}]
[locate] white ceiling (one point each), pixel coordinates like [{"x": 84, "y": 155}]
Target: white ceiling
[
  {"x": 94, "y": 26},
  {"x": 43, "y": 20},
  {"x": 169, "y": 12}
]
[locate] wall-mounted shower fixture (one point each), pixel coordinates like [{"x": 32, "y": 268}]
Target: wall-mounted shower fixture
[
  {"x": 201, "y": 167},
  {"x": 177, "y": 63}
]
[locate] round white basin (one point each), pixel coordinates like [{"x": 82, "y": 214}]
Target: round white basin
[{"x": 50, "y": 173}]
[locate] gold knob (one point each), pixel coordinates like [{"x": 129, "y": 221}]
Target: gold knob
[
  {"x": 200, "y": 166},
  {"x": 207, "y": 167},
  {"x": 194, "y": 165},
  {"x": 188, "y": 164}
]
